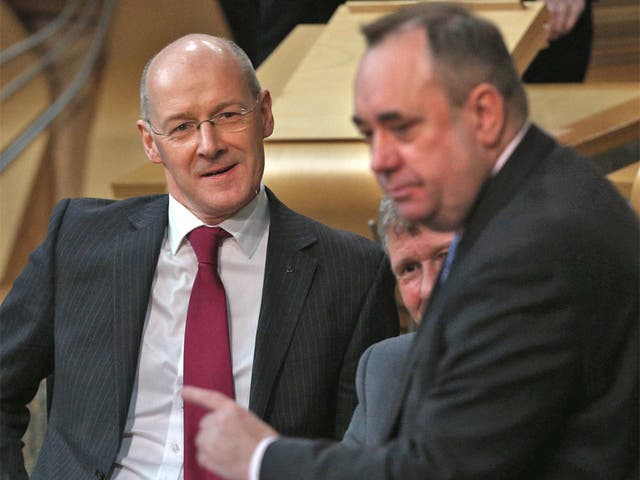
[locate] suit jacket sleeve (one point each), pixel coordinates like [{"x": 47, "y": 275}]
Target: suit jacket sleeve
[{"x": 26, "y": 346}]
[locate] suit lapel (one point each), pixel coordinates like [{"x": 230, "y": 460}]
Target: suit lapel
[
  {"x": 500, "y": 190},
  {"x": 288, "y": 275},
  {"x": 134, "y": 262},
  {"x": 497, "y": 192}
]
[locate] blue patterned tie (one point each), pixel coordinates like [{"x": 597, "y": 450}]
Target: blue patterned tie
[{"x": 449, "y": 260}]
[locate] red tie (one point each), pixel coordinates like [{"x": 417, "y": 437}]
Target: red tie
[{"x": 207, "y": 356}]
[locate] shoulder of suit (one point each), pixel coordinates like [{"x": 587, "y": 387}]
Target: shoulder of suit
[
  {"x": 329, "y": 237},
  {"x": 97, "y": 205},
  {"x": 385, "y": 358},
  {"x": 394, "y": 347},
  {"x": 77, "y": 211}
]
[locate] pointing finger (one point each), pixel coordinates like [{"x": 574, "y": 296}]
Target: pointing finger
[{"x": 209, "y": 399}]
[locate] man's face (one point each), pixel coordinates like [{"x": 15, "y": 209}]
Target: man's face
[
  {"x": 217, "y": 173},
  {"x": 416, "y": 261},
  {"x": 423, "y": 151}
]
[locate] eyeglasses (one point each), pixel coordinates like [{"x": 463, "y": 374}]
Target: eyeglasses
[{"x": 233, "y": 119}]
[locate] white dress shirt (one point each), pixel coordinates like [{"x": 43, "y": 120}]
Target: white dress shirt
[
  {"x": 152, "y": 443},
  {"x": 506, "y": 153}
]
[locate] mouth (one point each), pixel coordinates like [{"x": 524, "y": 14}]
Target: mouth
[
  {"x": 398, "y": 192},
  {"x": 218, "y": 172}
]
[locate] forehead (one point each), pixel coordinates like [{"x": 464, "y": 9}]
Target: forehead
[
  {"x": 421, "y": 246},
  {"x": 394, "y": 73},
  {"x": 192, "y": 75}
]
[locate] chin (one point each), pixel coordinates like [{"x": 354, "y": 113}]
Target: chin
[{"x": 413, "y": 212}]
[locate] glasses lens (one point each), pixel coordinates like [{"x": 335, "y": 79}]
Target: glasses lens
[
  {"x": 234, "y": 119},
  {"x": 231, "y": 120},
  {"x": 183, "y": 131}
]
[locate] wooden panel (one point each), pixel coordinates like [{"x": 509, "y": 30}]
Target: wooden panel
[
  {"x": 623, "y": 179},
  {"x": 316, "y": 102},
  {"x": 275, "y": 71},
  {"x": 616, "y": 43},
  {"x": 590, "y": 117},
  {"x": 328, "y": 181},
  {"x": 634, "y": 199}
]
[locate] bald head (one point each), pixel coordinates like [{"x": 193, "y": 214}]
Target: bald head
[{"x": 188, "y": 54}]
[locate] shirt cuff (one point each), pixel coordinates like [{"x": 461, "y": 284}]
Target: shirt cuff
[{"x": 256, "y": 458}]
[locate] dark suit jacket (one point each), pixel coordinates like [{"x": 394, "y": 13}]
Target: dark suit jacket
[
  {"x": 377, "y": 383},
  {"x": 526, "y": 362},
  {"x": 78, "y": 310}
]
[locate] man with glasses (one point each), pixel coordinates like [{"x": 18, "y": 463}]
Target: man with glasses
[{"x": 107, "y": 302}]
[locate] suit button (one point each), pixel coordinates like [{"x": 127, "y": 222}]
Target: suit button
[{"x": 100, "y": 474}]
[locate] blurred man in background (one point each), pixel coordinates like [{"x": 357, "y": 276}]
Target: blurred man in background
[{"x": 416, "y": 254}]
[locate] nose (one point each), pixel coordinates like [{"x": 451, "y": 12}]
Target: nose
[
  {"x": 429, "y": 276},
  {"x": 210, "y": 142},
  {"x": 384, "y": 157}
]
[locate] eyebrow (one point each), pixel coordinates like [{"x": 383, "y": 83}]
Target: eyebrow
[
  {"x": 357, "y": 121},
  {"x": 216, "y": 110},
  {"x": 442, "y": 245},
  {"x": 384, "y": 117}
]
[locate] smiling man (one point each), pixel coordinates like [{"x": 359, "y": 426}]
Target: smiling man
[{"x": 216, "y": 284}]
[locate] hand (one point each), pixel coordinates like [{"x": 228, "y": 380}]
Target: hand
[
  {"x": 228, "y": 434},
  {"x": 563, "y": 16}
]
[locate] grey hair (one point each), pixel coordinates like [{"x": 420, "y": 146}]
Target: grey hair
[
  {"x": 466, "y": 50},
  {"x": 389, "y": 220},
  {"x": 246, "y": 67}
]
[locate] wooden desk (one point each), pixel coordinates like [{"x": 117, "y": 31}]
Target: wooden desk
[
  {"x": 276, "y": 70},
  {"x": 591, "y": 117},
  {"x": 316, "y": 100},
  {"x": 623, "y": 179}
]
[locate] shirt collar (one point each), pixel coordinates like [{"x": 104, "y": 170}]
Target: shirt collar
[
  {"x": 246, "y": 226},
  {"x": 506, "y": 153},
  {"x": 503, "y": 157}
]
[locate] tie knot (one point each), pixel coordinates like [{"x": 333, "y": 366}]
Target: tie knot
[{"x": 206, "y": 241}]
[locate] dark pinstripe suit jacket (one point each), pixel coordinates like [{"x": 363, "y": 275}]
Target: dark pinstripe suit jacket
[{"x": 78, "y": 309}]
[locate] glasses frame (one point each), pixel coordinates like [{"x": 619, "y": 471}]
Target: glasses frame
[{"x": 210, "y": 120}]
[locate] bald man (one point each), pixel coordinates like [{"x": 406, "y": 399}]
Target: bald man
[{"x": 102, "y": 307}]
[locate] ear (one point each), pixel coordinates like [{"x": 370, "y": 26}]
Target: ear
[
  {"x": 148, "y": 143},
  {"x": 267, "y": 114},
  {"x": 486, "y": 106}
]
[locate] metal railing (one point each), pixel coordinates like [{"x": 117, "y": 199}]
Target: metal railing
[
  {"x": 41, "y": 35},
  {"x": 76, "y": 85}
]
